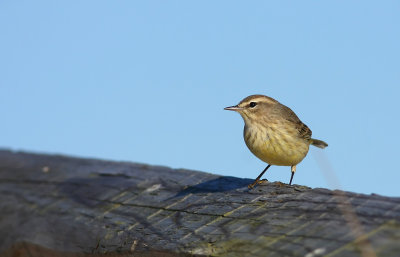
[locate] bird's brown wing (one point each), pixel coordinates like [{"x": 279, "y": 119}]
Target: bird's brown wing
[
  {"x": 304, "y": 131},
  {"x": 289, "y": 115}
]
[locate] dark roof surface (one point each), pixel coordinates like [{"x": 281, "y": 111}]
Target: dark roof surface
[{"x": 73, "y": 205}]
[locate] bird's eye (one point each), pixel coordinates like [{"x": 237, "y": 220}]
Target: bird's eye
[{"x": 253, "y": 104}]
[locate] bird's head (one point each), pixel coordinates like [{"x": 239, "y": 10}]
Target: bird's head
[{"x": 253, "y": 107}]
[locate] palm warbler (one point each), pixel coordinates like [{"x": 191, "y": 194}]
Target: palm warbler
[{"x": 274, "y": 133}]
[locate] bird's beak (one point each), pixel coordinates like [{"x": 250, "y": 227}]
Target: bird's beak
[{"x": 233, "y": 108}]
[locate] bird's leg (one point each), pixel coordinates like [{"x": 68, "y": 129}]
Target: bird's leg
[
  {"x": 258, "y": 178},
  {"x": 293, "y": 171}
]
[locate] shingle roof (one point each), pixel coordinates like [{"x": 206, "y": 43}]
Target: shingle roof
[{"x": 79, "y": 205}]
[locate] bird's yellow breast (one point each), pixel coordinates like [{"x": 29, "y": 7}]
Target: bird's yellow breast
[{"x": 274, "y": 146}]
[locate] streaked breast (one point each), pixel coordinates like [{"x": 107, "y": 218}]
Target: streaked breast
[{"x": 275, "y": 147}]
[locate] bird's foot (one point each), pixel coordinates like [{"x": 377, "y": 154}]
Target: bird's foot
[{"x": 257, "y": 182}]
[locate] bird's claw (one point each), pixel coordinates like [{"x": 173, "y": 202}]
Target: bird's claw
[{"x": 257, "y": 182}]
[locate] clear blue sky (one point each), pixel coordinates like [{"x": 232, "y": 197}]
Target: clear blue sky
[{"x": 147, "y": 81}]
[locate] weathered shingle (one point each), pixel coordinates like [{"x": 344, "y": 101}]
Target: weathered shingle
[{"x": 72, "y": 205}]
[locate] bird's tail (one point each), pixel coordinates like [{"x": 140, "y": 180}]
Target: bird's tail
[{"x": 318, "y": 143}]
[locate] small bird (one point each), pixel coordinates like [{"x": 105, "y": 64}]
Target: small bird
[{"x": 274, "y": 133}]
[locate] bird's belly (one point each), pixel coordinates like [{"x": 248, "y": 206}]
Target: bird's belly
[{"x": 277, "y": 149}]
